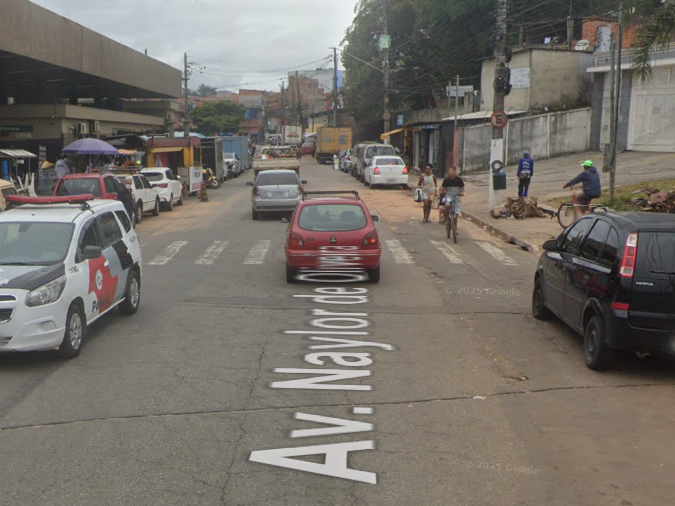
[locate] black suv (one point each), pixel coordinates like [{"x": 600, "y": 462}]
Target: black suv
[{"x": 611, "y": 277}]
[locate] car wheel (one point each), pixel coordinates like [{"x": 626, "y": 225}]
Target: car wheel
[
  {"x": 539, "y": 309},
  {"x": 132, "y": 296},
  {"x": 291, "y": 274},
  {"x": 255, "y": 215},
  {"x": 169, "y": 205},
  {"x": 139, "y": 212},
  {"x": 374, "y": 275},
  {"x": 155, "y": 211},
  {"x": 76, "y": 331},
  {"x": 596, "y": 353},
  {"x": 180, "y": 200}
]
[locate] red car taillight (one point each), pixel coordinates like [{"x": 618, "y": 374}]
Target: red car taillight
[
  {"x": 162, "y": 185},
  {"x": 405, "y": 170},
  {"x": 256, "y": 191},
  {"x": 629, "y": 255},
  {"x": 371, "y": 240},
  {"x": 295, "y": 241},
  {"x": 620, "y": 306},
  {"x": 376, "y": 170}
]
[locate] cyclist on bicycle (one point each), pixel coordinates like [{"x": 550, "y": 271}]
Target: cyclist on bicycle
[
  {"x": 591, "y": 186},
  {"x": 453, "y": 186}
]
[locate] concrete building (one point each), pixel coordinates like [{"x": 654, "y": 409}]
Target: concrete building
[
  {"x": 542, "y": 77},
  {"x": 646, "y": 109},
  {"x": 49, "y": 64},
  {"x": 323, "y": 76}
]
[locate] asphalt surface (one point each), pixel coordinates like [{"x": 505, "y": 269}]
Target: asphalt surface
[{"x": 476, "y": 404}]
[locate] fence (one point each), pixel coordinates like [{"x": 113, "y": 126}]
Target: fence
[{"x": 545, "y": 136}]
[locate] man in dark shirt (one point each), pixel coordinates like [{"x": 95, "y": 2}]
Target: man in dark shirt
[
  {"x": 525, "y": 173},
  {"x": 125, "y": 196},
  {"x": 453, "y": 188}
]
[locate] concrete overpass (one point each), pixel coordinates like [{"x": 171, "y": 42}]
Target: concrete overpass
[{"x": 44, "y": 57}]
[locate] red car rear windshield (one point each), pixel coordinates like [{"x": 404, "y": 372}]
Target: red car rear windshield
[
  {"x": 332, "y": 218},
  {"x": 80, "y": 186}
]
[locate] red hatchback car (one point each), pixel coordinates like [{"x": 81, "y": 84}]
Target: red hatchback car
[
  {"x": 332, "y": 234},
  {"x": 101, "y": 186}
]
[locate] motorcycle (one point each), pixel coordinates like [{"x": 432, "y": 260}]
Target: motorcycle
[{"x": 211, "y": 179}]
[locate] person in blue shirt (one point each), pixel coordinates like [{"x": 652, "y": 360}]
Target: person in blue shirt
[
  {"x": 525, "y": 172},
  {"x": 592, "y": 188}
]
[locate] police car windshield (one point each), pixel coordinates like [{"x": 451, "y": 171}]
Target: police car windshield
[{"x": 24, "y": 243}]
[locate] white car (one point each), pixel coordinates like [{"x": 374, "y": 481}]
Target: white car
[
  {"x": 146, "y": 198},
  {"x": 386, "y": 170},
  {"x": 64, "y": 263},
  {"x": 167, "y": 183},
  {"x": 232, "y": 164}
]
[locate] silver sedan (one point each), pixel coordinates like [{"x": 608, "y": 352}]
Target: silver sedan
[{"x": 275, "y": 191}]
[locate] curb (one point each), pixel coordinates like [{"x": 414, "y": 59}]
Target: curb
[{"x": 500, "y": 233}]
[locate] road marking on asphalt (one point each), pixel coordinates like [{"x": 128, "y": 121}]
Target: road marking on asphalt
[
  {"x": 212, "y": 253},
  {"x": 258, "y": 253},
  {"x": 401, "y": 255},
  {"x": 448, "y": 252},
  {"x": 171, "y": 251},
  {"x": 497, "y": 253}
]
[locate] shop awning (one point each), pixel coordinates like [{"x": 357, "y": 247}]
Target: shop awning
[
  {"x": 389, "y": 134},
  {"x": 16, "y": 153},
  {"x": 165, "y": 150},
  {"x": 126, "y": 152}
]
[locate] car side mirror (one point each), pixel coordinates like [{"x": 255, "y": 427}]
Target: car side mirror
[
  {"x": 178, "y": 177},
  {"x": 375, "y": 217},
  {"x": 550, "y": 245},
  {"x": 91, "y": 253},
  {"x": 284, "y": 220},
  {"x": 304, "y": 182},
  {"x": 249, "y": 183}
]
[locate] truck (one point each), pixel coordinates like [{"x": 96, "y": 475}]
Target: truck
[
  {"x": 330, "y": 141},
  {"x": 212, "y": 156},
  {"x": 239, "y": 146},
  {"x": 292, "y": 135},
  {"x": 280, "y": 159}
]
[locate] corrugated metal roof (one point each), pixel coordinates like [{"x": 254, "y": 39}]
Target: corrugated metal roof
[
  {"x": 16, "y": 153},
  {"x": 480, "y": 115}
]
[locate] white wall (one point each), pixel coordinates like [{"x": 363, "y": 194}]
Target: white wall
[{"x": 544, "y": 136}]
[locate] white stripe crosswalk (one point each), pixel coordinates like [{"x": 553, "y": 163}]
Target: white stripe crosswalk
[
  {"x": 496, "y": 253},
  {"x": 259, "y": 253},
  {"x": 212, "y": 253}
]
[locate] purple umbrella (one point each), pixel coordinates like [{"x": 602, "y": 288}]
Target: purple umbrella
[{"x": 89, "y": 147}]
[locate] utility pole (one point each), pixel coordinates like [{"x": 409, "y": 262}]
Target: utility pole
[
  {"x": 500, "y": 85},
  {"x": 617, "y": 105},
  {"x": 186, "y": 120},
  {"x": 335, "y": 88},
  {"x": 385, "y": 64},
  {"x": 456, "y": 101},
  {"x": 297, "y": 85},
  {"x": 611, "y": 147}
]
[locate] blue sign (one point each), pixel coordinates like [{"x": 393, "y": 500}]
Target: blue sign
[{"x": 400, "y": 120}]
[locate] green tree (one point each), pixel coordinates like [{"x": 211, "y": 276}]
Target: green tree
[
  {"x": 657, "y": 29},
  {"x": 218, "y": 117},
  {"x": 205, "y": 90}
]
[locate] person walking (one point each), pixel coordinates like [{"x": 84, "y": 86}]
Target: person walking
[
  {"x": 61, "y": 168},
  {"x": 592, "y": 188},
  {"x": 525, "y": 173},
  {"x": 126, "y": 196},
  {"x": 428, "y": 184}
]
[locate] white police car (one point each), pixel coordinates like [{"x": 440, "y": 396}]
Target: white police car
[{"x": 64, "y": 262}]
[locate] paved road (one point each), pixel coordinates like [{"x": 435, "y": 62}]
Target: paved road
[{"x": 477, "y": 404}]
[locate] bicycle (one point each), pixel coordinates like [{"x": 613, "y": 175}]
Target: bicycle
[
  {"x": 450, "y": 218},
  {"x": 568, "y": 211}
]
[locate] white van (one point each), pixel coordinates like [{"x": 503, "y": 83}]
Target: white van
[{"x": 368, "y": 151}]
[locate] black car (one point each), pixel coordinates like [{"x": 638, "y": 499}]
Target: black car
[{"x": 611, "y": 277}]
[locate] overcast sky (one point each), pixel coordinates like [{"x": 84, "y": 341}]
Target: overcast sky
[{"x": 242, "y": 43}]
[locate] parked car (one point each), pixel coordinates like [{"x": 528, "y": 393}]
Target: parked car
[
  {"x": 386, "y": 170},
  {"x": 366, "y": 151},
  {"x": 339, "y": 222},
  {"x": 611, "y": 278},
  {"x": 307, "y": 148},
  {"x": 66, "y": 261},
  {"x": 168, "y": 185},
  {"x": 344, "y": 160},
  {"x": 275, "y": 191},
  {"x": 232, "y": 162},
  {"x": 146, "y": 198}
]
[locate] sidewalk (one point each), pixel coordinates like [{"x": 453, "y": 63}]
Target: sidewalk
[{"x": 549, "y": 177}]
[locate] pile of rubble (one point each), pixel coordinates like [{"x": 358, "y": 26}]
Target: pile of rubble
[
  {"x": 656, "y": 201},
  {"x": 520, "y": 208}
]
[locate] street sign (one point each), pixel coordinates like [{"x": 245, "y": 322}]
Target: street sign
[
  {"x": 384, "y": 42},
  {"x": 454, "y": 91},
  {"x": 520, "y": 78},
  {"x": 386, "y": 116},
  {"x": 499, "y": 119},
  {"x": 400, "y": 120}
]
